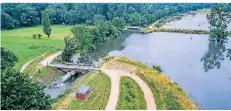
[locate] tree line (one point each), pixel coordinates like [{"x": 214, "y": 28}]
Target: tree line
[
  {"x": 14, "y": 15},
  {"x": 91, "y": 35}
]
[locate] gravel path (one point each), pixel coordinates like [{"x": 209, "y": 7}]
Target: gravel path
[{"x": 115, "y": 75}]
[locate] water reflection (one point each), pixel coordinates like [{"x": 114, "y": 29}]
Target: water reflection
[
  {"x": 92, "y": 58},
  {"x": 215, "y": 55}
]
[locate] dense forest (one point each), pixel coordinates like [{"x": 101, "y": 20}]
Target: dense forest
[{"x": 15, "y": 15}]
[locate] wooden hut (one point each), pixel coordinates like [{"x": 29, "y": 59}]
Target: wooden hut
[{"x": 83, "y": 93}]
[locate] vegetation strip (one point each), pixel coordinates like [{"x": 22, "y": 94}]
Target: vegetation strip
[
  {"x": 185, "y": 31},
  {"x": 131, "y": 96}
]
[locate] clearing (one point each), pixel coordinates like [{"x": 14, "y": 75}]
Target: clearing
[{"x": 26, "y": 48}]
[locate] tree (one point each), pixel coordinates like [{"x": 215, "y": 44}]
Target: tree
[
  {"x": 98, "y": 18},
  {"x": 218, "y": 19},
  {"x": 18, "y": 92},
  {"x": 71, "y": 46},
  {"x": 46, "y": 23},
  {"x": 118, "y": 22},
  {"x": 39, "y": 36},
  {"x": 134, "y": 19},
  {"x": 8, "y": 59},
  {"x": 82, "y": 35},
  {"x": 6, "y": 21}
]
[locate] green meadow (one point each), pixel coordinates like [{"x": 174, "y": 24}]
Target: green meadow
[{"x": 25, "y": 47}]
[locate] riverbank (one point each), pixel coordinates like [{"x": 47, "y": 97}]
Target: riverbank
[{"x": 167, "y": 94}]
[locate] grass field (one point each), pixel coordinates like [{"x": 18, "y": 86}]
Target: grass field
[
  {"x": 131, "y": 96},
  {"x": 21, "y": 43}
]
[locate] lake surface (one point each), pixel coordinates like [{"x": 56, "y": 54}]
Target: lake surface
[
  {"x": 188, "y": 59},
  {"x": 191, "y": 21},
  {"x": 201, "y": 68}
]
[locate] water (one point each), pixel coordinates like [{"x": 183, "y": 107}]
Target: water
[
  {"x": 200, "y": 67},
  {"x": 180, "y": 58},
  {"x": 57, "y": 87},
  {"x": 191, "y": 21}
]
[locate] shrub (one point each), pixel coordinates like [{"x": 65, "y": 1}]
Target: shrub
[
  {"x": 107, "y": 58},
  {"x": 157, "y": 68},
  {"x": 34, "y": 36},
  {"x": 39, "y": 36}
]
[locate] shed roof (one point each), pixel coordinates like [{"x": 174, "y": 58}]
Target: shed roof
[{"x": 83, "y": 90}]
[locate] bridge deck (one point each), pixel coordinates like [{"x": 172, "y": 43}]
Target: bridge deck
[
  {"x": 63, "y": 66},
  {"x": 132, "y": 27}
]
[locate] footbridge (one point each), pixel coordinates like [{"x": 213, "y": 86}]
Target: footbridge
[
  {"x": 73, "y": 67},
  {"x": 132, "y": 28}
]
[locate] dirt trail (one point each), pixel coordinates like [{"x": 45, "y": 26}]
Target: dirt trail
[
  {"x": 29, "y": 62},
  {"x": 25, "y": 65},
  {"x": 115, "y": 75},
  {"x": 49, "y": 59}
]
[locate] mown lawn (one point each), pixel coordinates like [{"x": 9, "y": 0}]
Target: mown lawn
[
  {"x": 131, "y": 96},
  {"x": 101, "y": 86},
  {"x": 25, "y": 47}
]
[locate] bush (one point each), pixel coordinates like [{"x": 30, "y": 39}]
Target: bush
[
  {"x": 107, "y": 58},
  {"x": 39, "y": 36},
  {"x": 157, "y": 68},
  {"x": 34, "y": 36}
]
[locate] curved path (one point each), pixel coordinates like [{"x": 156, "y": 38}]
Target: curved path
[
  {"x": 115, "y": 75},
  {"x": 25, "y": 65},
  {"x": 48, "y": 60},
  {"x": 28, "y": 63}
]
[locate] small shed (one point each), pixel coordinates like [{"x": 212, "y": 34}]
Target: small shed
[{"x": 83, "y": 93}]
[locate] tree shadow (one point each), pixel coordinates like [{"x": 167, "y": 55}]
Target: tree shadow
[{"x": 90, "y": 58}]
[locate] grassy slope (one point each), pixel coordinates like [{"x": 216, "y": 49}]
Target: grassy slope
[
  {"x": 47, "y": 75},
  {"x": 25, "y": 47},
  {"x": 100, "y": 83},
  {"x": 168, "y": 95},
  {"x": 101, "y": 86},
  {"x": 131, "y": 96}
]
